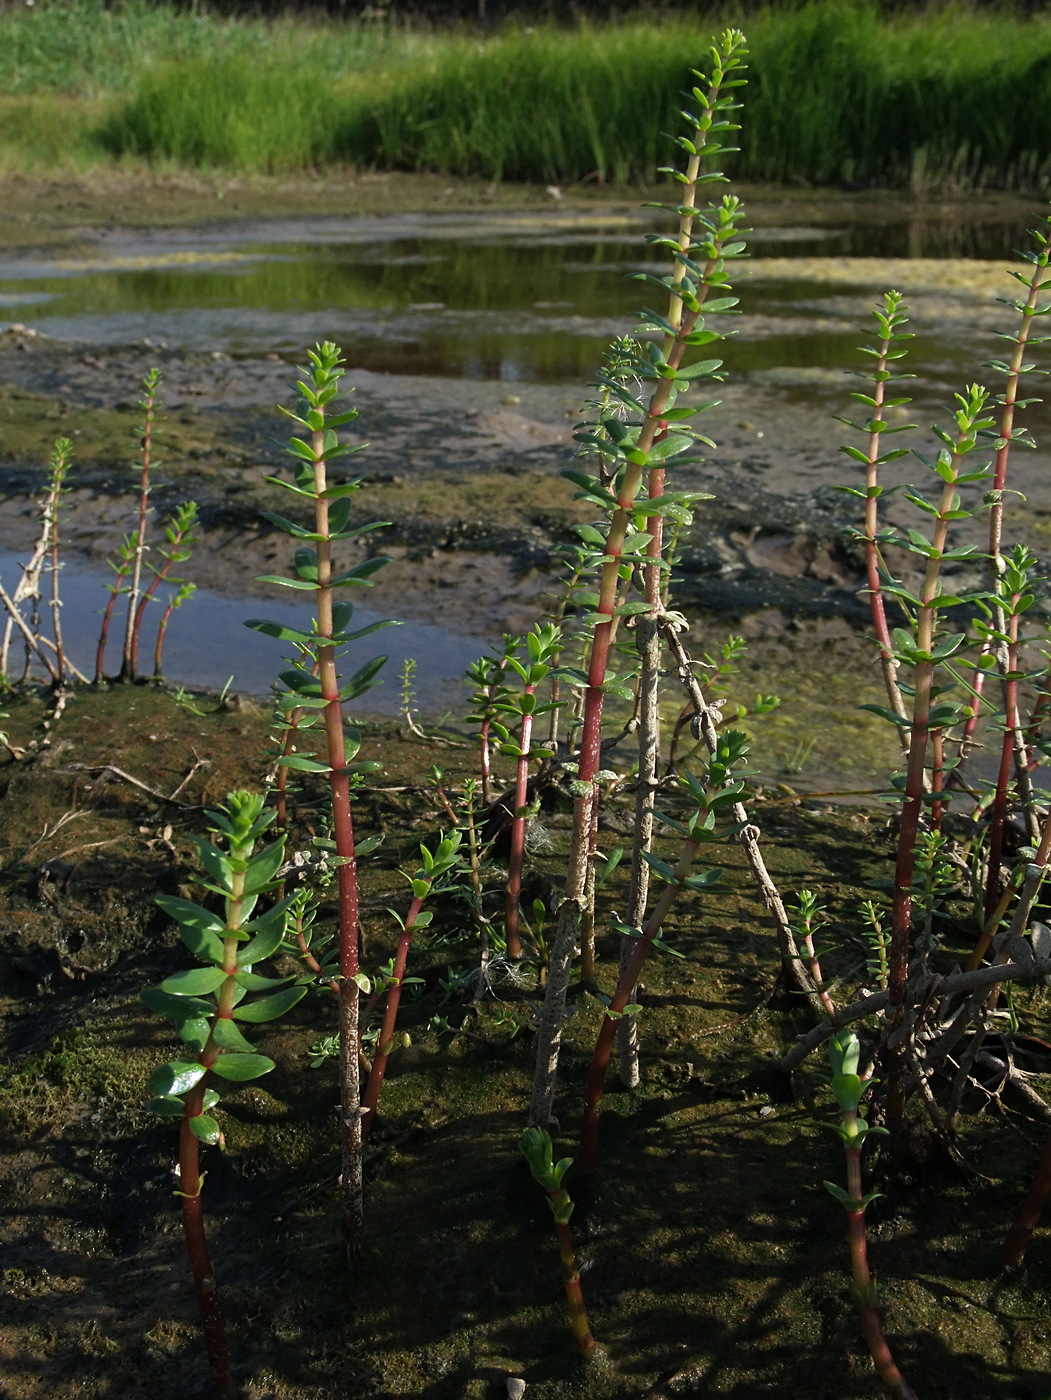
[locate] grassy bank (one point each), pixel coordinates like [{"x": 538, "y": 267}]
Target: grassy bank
[{"x": 839, "y": 93}]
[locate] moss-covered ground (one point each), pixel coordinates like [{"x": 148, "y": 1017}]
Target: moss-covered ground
[{"x": 714, "y": 1261}]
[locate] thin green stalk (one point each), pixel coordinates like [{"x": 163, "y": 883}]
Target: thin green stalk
[
  {"x": 698, "y": 267},
  {"x": 848, "y": 1088},
  {"x": 58, "y": 469},
  {"x": 920, "y": 652},
  {"x": 149, "y": 405},
  {"x": 536, "y": 1148}
]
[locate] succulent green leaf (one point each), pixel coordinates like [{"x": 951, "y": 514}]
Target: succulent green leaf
[
  {"x": 176, "y": 1077},
  {"x": 199, "y": 929},
  {"x": 302, "y": 764},
  {"x": 166, "y": 1105},
  {"x": 280, "y": 631},
  {"x": 195, "y": 981},
  {"x": 269, "y": 1008},
  {"x": 253, "y": 982},
  {"x": 178, "y": 1008},
  {"x": 196, "y": 1031},
  {"x": 205, "y": 1128},
  {"x": 239, "y": 1068},
  {"x": 228, "y": 1037}
]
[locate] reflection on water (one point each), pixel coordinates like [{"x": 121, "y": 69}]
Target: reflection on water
[
  {"x": 208, "y": 644},
  {"x": 507, "y": 297}
]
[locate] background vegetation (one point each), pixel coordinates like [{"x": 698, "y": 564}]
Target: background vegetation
[{"x": 841, "y": 91}]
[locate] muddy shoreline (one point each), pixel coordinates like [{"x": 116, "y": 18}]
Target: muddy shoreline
[
  {"x": 467, "y": 470},
  {"x": 714, "y": 1262}
]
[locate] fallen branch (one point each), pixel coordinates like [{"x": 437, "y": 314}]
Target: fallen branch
[{"x": 924, "y": 990}]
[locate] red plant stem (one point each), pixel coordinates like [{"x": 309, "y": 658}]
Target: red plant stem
[
  {"x": 100, "y": 656},
  {"x": 158, "y": 649},
  {"x": 912, "y": 807},
  {"x": 893, "y": 1381},
  {"x": 127, "y": 669},
  {"x": 147, "y": 594},
  {"x": 673, "y": 348},
  {"x": 974, "y": 709},
  {"x": 1028, "y": 1217},
  {"x": 872, "y": 555},
  {"x": 814, "y": 964},
  {"x": 385, "y": 1044},
  {"x": 1021, "y": 914},
  {"x": 578, "y": 1316},
  {"x": 190, "y": 1177},
  {"x": 998, "y": 815},
  {"x": 347, "y": 876},
  {"x": 629, "y": 975},
  {"x": 516, "y": 858}
]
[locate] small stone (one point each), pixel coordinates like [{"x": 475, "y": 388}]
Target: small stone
[{"x": 515, "y": 1387}]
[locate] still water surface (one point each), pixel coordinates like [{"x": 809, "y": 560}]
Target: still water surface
[{"x": 515, "y": 298}]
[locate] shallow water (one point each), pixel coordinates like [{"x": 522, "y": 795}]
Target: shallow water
[
  {"x": 208, "y": 644},
  {"x": 428, "y": 304},
  {"x": 506, "y": 296}
]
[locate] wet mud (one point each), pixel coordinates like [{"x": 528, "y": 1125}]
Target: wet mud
[{"x": 714, "y": 1262}]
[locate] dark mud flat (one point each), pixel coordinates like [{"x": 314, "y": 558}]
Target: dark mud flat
[
  {"x": 467, "y": 474},
  {"x": 463, "y": 460},
  {"x": 714, "y": 1260}
]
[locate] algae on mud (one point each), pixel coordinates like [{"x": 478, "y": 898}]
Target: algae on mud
[
  {"x": 714, "y": 1259},
  {"x": 706, "y": 1275}
]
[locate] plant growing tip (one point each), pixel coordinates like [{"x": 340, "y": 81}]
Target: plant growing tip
[
  {"x": 209, "y": 1004},
  {"x": 848, "y": 1089},
  {"x": 535, "y": 1146},
  {"x": 318, "y": 687}
]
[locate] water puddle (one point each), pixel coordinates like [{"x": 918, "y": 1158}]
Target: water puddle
[
  {"x": 209, "y": 646},
  {"x": 514, "y": 297},
  {"x": 427, "y": 305}
]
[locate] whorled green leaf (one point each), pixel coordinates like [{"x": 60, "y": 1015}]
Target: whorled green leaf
[
  {"x": 205, "y": 1128},
  {"x": 269, "y": 1008},
  {"x": 263, "y": 866},
  {"x": 228, "y": 1037},
  {"x": 239, "y": 1068},
  {"x": 178, "y": 1008},
  {"x": 175, "y": 1077},
  {"x": 195, "y": 981},
  {"x": 199, "y": 928},
  {"x": 195, "y": 1032},
  {"x": 166, "y": 1106}
]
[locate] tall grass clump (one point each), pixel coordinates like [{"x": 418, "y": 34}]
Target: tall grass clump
[
  {"x": 943, "y": 97},
  {"x": 89, "y": 47},
  {"x": 842, "y": 93},
  {"x": 223, "y": 113}
]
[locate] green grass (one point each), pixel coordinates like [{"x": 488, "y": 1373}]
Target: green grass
[{"x": 837, "y": 93}]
